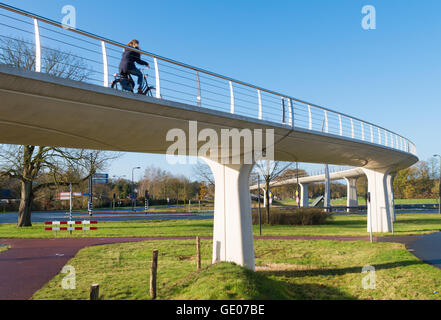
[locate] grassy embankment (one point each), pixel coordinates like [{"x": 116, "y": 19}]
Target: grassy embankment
[{"x": 285, "y": 270}]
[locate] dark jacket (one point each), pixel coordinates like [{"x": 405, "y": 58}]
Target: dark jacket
[{"x": 128, "y": 61}]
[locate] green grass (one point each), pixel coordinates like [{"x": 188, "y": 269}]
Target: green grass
[
  {"x": 285, "y": 270},
  {"x": 347, "y": 225},
  {"x": 362, "y": 201}
]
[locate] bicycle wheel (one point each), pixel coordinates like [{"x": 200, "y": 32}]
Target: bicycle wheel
[
  {"x": 149, "y": 91},
  {"x": 117, "y": 85}
]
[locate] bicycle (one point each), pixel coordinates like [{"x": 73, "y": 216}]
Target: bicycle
[{"x": 124, "y": 82}]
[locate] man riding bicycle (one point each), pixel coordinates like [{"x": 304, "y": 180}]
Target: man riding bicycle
[{"x": 127, "y": 65}]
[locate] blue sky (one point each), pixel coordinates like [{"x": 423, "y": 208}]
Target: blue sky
[{"x": 314, "y": 50}]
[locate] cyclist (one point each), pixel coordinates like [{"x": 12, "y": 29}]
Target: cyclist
[{"x": 127, "y": 65}]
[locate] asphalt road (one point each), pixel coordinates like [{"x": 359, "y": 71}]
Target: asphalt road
[
  {"x": 105, "y": 216},
  {"x": 427, "y": 248}
]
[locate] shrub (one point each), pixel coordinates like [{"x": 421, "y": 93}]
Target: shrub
[{"x": 299, "y": 217}]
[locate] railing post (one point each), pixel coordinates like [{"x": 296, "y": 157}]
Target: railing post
[
  {"x": 362, "y": 130},
  {"x": 105, "y": 64},
  {"x": 291, "y": 113},
  {"x": 158, "y": 81},
  {"x": 341, "y": 126},
  {"x": 37, "y": 47},
  {"x": 385, "y": 138},
  {"x": 310, "y": 117},
  {"x": 259, "y": 97},
  {"x": 326, "y": 121},
  {"x": 379, "y": 136},
  {"x": 199, "y": 98},
  {"x": 231, "y": 98},
  {"x": 352, "y": 128},
  {"x": 283, "y": 110}
]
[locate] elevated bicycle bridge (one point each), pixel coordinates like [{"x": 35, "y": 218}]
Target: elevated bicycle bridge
[{"x": 38, "y": 108}]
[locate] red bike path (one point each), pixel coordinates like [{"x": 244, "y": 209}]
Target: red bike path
[{"x": 30, "y": 263}]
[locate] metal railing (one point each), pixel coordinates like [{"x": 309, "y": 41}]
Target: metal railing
[{"x": 91, "y": 58}]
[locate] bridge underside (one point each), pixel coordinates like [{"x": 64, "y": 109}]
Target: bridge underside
[{"x": 37, "y": 109}]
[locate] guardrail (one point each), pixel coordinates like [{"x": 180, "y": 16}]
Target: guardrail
[
  {"x": 90, "y": 58},
  {"x": 70, "y": 225}
]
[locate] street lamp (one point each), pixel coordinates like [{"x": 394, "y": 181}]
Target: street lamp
[
  {"x": 133, "y": 189},
  {"x": 439, "y": 192},
  {"x": 117, "y": 179},
  {"x": 258, "y": 201}
]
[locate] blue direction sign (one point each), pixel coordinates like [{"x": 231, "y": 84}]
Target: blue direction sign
[
  {"x": 100, "y": 176},
  {"x": 100, "y": 180}
]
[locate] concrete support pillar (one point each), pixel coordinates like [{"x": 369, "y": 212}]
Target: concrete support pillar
[
  {"x": 378, "y": 208},
  {"x": 390, "y": 193},
  {"x": 233, "y": 230},
  {"x": 304, "y": 196},
  {"x": 352, "y": 201}
]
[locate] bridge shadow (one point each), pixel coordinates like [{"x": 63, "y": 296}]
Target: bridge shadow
[
  {"x": 337, "y": 271},
  {"x": 312, "y": 291},
  {"x": 318, "y": 291}
]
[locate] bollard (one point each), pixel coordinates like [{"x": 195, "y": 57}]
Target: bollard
[
  {"x": 198, "y": 253},
  {"x": 94, "y": 292},
  {"x": 153, "y": 275}
]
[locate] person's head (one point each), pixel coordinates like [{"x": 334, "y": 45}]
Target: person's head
[{"x": 134, "y": 44}]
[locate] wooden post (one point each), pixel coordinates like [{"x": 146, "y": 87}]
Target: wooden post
[
  {"x": 198, "y": 253},
  {"x": 94, "y": 292},
  {"x": 153, "y": 275}
]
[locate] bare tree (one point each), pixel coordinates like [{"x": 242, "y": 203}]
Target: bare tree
[
  {"x": 203, "y": 172},
  {"x": 270, "y": 171},
  {"x": 26, "y": 163},
  {"x": 21, "y": 54}
]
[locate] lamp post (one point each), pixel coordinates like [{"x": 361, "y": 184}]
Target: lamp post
[
  {"x": 439, "y": 192},
  {"x": 117, "y": 179},
  {"x": 258, "y": 201},
  {"x": 133, "y": 189}
]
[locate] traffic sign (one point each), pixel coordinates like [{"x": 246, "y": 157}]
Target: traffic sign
[
  {"x": 100, "y": 176},
  {"x": 66, "y": 195},
  {"x": 100, "y": 180}
]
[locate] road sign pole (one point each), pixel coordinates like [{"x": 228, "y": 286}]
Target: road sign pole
[
  {"x": 369, "y": 208},
  {"x": 89, "y": 206},
  {"x": 70, "y": 202},
  {"x": 258, "y": 201}
]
